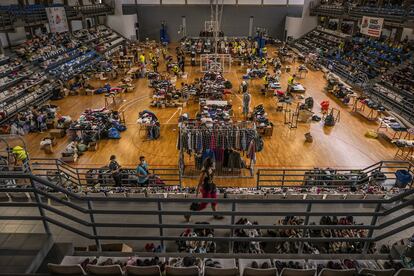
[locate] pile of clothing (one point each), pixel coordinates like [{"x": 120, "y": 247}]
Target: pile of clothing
[
  {"x": 287, "y": 247},
  {"x": 149, "y": 119},
  {"x": 259, "y": 116},
  {"x": 193, "y": 246},
  {"x": 372, "y": 104},
  {"x": 254, "y": 247},
  {"x": 33, "y": 120},
  {"x": 403, "y": 143},
  {"x": 96, "y": 124},
  {"x": 339, "y": 90},
  {"x": 164, "y": 93},
  {"x": 393, "y": 123},
  {"x": 214, "y": 113}
]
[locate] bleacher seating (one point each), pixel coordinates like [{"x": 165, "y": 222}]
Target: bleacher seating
[
  {"x": 231, "y": 267},
  {"x": 402, "y": 79},
  {"x": 371, "y": 56}
]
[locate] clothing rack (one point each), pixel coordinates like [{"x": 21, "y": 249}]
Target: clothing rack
[{"x": 226, "y": 143}]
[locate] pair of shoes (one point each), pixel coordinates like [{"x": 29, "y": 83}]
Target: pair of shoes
[
  {"x": 187, "y": 218},
  {"x": 264, "y": 265},
  {"x": 218, "y": 217}
]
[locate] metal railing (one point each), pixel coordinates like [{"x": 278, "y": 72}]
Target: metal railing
[
  {"x": 328, "y": 177},
  {"x": 40, "y": 189},
  {"x": 390, "y": 14},
  {"x": 63, "y": 173}
]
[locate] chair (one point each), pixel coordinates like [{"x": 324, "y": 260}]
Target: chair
[
  {"x": 181, "y": 271},
  {"x": 212, "y": 271},
  {"x": 336, "y": 272},
  {"x": 72, "y": 270},
  {"x": 248, "y": 271},
  {"x": 108, "y": 270},
  {"x": 228, "y": 268},
  {"x": 378, "y": 272},
  {"x": 153, "y": 270},
  {"x": 297, "y": 272},
  {"x": 405, "y": 272}
]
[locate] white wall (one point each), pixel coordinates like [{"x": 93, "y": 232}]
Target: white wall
[
  {"x": 298, "y": 26},
  {"x": 76, "y": 25},
  {"x": 407, "y": 32},
  {"x": 123, "y": 24},
  {"x": 16, "y": 37},
  {"x": 8, "y": 2}
]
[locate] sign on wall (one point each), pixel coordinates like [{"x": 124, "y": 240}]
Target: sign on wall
[
  {"x": 372, "y": 26},
  {"x": 57, "y": 20}
]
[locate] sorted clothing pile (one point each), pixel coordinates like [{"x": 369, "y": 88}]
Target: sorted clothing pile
[{"x": 95, "y": 124}]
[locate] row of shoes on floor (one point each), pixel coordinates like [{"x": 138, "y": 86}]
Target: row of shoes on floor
[
  {"x": 197, "y": 246},
  {"x": 131, "y": 262},
  {"x": 254, "y": 247}
]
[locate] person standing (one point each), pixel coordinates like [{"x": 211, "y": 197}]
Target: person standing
[
  {"x": 207, "y": 188},
  {"x": 115, "y": 168},
  {"x": 246, "y": 104},
  {"x": 143, "y": 172}
]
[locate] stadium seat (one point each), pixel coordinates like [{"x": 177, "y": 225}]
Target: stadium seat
[
  {"x": 153, "y": 270},
  {"x": 112, "y": 270},
  {"x": 378, "y": 272},
  {"x": 297, "y": 272},
  {"x": 181, "y": 271},
  {"x": 336, "y": 272},
  {"x": 72, "y": 270}
]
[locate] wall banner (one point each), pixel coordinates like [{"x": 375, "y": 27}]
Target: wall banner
[
  {"x": 372, "y": 26},
  {"x": 58, "y": 22}
]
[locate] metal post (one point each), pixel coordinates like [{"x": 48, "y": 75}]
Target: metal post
[
  {"x": 283, "y": 178},
  {"x": 233, "y": 209},
  {"x": 258, "y": 179},
  {"x": 251, "y": 26},
  {"x": 41, "y": 211},
  {"x": 95, "y": 233},
  {"x": 160, "y": 223},
  {"x": 184, "y": 26},
  {"x": 306, "y": 222},
  {"x": 371, "y": 231}
]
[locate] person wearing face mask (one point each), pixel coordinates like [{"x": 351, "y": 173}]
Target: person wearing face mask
[{"x": 143, "y": 172}]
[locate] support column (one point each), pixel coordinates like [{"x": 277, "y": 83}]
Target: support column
[
  {"x": 184, "y": 26},
  {"x": 251, "y": 26}
]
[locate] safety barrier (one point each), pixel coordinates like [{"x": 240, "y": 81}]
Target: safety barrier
[
  {"x": 63, "y": 173},
  {"x": 390, "y": 14},
  {"x": 58, "y": 213},
  {"x": 328, "y": 177}
]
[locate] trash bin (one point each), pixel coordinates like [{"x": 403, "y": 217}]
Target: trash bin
[{"x": 403, "y": 178}]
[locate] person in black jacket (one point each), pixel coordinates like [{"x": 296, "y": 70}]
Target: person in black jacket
[{"x": 114, "y": 167}]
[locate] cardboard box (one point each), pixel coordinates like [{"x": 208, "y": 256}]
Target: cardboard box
[{"x": 57, "y": 133}]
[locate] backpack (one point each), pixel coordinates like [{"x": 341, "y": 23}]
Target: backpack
[
  {"x": 259, "y": 144},
  {"x": 113, "y": 133},
  {"x": 309, "y": 103},
  {"x": 329, "y": 120}
]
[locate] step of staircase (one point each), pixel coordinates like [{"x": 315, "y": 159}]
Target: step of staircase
[{"x": 23, "y": 253}]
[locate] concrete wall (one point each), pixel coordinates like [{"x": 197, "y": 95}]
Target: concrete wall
[
  {"x": 235, "y": 21},
  {"x": 298, "y": 26}
]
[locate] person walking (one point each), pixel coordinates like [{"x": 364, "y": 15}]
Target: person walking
[
  {"x": 246, "y": 104},
  {"x": 207, "y": 188},
  {"x": 114, "y": 167}
]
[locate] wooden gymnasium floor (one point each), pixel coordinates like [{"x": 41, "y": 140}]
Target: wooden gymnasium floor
[{"x": 342, "y": 146}]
